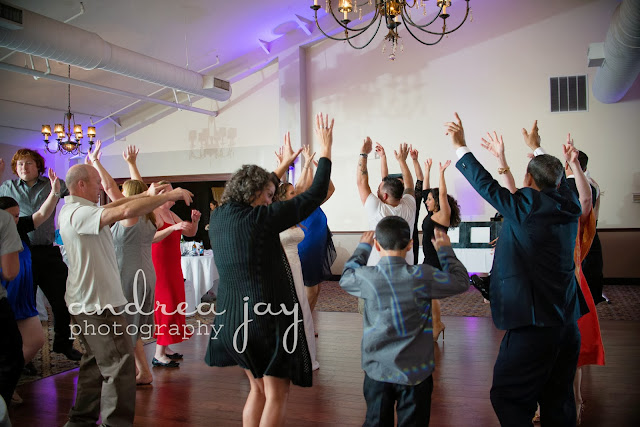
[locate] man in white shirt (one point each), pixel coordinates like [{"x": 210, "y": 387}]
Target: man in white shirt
[
  {"x": 394, "y": 197},
  {"x": 95, "y": 298}
]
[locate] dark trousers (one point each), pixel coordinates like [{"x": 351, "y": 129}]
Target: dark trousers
[
  {"x": 413, "y": 403},
  {"x": 50, "y": 274},
  {"x": 11, "y": 359},
  {"x": 536, "y": 365}
]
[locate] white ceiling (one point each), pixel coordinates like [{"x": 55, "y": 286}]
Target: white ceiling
[{"x": 197, "y": 31}]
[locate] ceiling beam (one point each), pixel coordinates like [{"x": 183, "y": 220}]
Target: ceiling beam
[{"x": 35, "y": 73}]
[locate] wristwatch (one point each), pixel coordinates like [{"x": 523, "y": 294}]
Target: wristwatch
[{"x": 57, "y": 194}]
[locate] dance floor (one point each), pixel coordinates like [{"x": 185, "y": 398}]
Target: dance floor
[{"x": 197, "y": 395}]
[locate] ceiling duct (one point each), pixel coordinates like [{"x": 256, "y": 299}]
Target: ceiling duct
[
  {"x": 621, "y": 54},
  {"x": 48, "y": 38}
]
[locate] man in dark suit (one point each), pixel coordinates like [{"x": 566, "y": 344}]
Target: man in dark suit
[{"x": 534, "y": 292}]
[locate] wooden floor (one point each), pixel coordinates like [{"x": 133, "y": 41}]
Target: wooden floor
[{"x": 197, "y": 395}]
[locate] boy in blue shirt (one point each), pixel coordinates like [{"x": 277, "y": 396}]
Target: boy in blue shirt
[{"x": 397, "y": 341}]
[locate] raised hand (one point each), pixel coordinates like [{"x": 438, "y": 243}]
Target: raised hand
[
  {"x": 308, "y": 156},
  {"x": 427, "y": 164},
  {"x": 570, "y": 153},
  {"x": 367, "y": 146},
  {"x": 380, "y": 150},
  {"x": 181, "y": 194},
  {"x": 532, "y": 139},
  {"x": 195, "y": 215},
  {"x": 55, "y": 182},
  {"x": 456, "y": 131},
  {"x": 155, "y": 188},
  {"x": 402, "y": 153},
  {"x": 493, "y": 144},
  {"x": 440, "y": 239},
  {"x": 324, "y": 132},
  {"x": 288, "y": 155},
  {"x": 94, "y": 155},
  {"x": 367, "y": 237},
  {"x": 279, "y": 155},
  {"x": 413, "y": 152},
  {"x": 130, "y": 154},
  {"x": 445, "y": 166}
]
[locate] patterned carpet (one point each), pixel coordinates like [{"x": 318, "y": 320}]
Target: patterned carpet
[{"x": 625, "y": 306}]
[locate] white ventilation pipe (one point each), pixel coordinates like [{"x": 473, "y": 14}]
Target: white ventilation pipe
[
  {"x": 621, "y": 54},
  {"x": 51, "y": 39}
]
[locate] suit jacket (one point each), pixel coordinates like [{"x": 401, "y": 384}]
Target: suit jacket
[
  {"x": 533, "y": 275},
  {"x": 397, "y": 340}
]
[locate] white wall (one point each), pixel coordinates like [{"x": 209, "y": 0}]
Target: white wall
[
  {"x": 494, "y": 71},
  {"x": 246, "y": 131},
  {"x": 495, "y": 83}
]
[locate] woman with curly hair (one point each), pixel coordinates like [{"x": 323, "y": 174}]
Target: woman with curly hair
[
  {"x": 259, "y": 326},
  {"x": 442, "y": 212}
]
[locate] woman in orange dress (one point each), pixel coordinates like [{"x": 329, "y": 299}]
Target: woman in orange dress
[{"x": 591, "y": 348}]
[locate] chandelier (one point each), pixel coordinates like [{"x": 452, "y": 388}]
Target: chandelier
[
  {"x": 394, "y": 13},
  {"x": 67, "y": 142}
]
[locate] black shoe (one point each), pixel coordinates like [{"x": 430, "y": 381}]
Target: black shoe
[
  {"x": 482, "y": 285},
  {"x": 70, "y": 353},
  {"x": 174, "y": 356},
  {"x": 30, "y": 370},
  {"x": 171, "y": 364}
]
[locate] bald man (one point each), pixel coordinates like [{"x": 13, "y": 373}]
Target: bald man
[{"x": 106, "y": 382}]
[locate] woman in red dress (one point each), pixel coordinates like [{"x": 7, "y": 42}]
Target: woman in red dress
[{"x": 165, "y": 251}]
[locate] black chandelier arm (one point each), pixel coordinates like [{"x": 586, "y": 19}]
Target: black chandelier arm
[
  {"x": 407, "y": 18},
  {"x": 341, "y": 39},
  {"x": 421, "y": 27},
  {"x": 423, "y": 42},
  {"x": 46, "y": 147},
  {"x": 346, "y": 27},
  {"x": 370, "y": 40}
]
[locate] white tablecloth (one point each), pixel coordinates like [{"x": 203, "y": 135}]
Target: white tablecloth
[
  {"x": 474, "y": 260},
  {"x": 200, "y": 275}
]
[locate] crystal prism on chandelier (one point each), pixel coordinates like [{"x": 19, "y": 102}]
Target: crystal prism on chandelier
[
  {"x": 68, "y": 141},
  {"x": 394, "y": 13}
]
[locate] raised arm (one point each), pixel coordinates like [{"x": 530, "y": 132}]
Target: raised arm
[
  {"x": 286, "y": 156},
  {"x": 108, "y": 184},
  {"x": 384, "y": 167},
  {"x": 49, "y": 205},
  {"x": 443, "y": 216},
  {"x": 582, "y": 184},
  {"x": 130, "y": 155},
  {"x": 495, "y": 145},
  {"x": 426, "y": 184},
  {"x": 401, "y": 157},
  {"x": 131, "y": 207},
  {"x": 416, "y": 163},
  {"x": 307, "y": 172},
  {"x": 362, "y": 175}
]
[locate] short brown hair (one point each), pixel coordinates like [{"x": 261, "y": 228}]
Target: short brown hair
[{"x": 23, "y": 153}]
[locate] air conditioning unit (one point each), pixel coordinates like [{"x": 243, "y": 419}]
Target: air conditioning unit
[{"x": 10, "y": 17}]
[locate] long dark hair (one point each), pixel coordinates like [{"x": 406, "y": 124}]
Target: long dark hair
[{"x": 454, "y": 220}]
